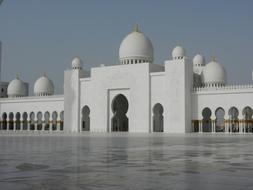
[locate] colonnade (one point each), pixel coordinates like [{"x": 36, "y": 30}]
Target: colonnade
[
  {"x": 32, "y": 122},
  {"x": 239, "y": 126},
  {"x": 29, "y": 126}
]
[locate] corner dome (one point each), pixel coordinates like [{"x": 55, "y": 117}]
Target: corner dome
[
  {"x": 199, "y": 60},
  {"x": 43, "y": 87},
  {"x": 16, "y": 88},
  {"x": 77, "y": 63},
  {"x": 136, "y": 48},
  {"x": 214, "y": 74},
  {"x": 178, "y": 52}
]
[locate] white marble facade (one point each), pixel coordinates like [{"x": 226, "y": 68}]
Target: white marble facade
[{"x": 179, "y": 96}]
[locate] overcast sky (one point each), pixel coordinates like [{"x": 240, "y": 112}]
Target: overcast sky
[{"x": 44, "y": 35}]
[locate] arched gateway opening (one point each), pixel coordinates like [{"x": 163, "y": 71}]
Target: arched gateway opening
[
  {"x": 85, "y": 118},
  {"x": 206, "y": 121},
  {"x": 119, "y": 120},
  {"x": 158, "y": 118}
]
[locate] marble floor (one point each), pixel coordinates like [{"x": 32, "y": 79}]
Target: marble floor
[{"x": 126, "y": 161}]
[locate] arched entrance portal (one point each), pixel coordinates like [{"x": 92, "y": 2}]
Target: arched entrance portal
[
  {"x": 158, "y": 118},
  {"x": 85, "y": 118},
  {"x": 206, "y": 121},
  {"x": 119, "y": 120}
]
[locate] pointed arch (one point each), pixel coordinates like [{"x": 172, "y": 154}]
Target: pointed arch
[
  {"x": 86, "y": 118},
  {"x": 119, "y": 121},
  {"x": 233, "y": 119},
  {"x": 158, "y": 118},
  {"x": 4, "y": 121},
  {"x": 206, "y": 121},
  {"x": 11, "y": 121},
  {"x": 39, "y": 120},
  {"x": 47, "y": 120},
  {"x": 25, "y": 121},
  {"x": 61, "y": 120},
  {"x": 247, "y": 113},
  {"x": 54, "y": 120},
  {"x": 219, "y": 121}
]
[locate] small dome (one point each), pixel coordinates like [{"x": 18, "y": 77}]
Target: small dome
[
  {"x": 214, "y": 73},
  {"x": 77, "y": 63},
  {"x": 136, "y": 47},
  {"x": 178, "y": 52},
  {"x": 199, "y": 60},
  {"x": 16, "y": 88},
  {"x": 43, "y": 87}
]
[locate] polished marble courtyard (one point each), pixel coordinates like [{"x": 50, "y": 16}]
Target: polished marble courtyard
[{"x": 126, "y": 161}]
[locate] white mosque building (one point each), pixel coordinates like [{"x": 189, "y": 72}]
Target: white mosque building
[{"x": 179, "y": 96}]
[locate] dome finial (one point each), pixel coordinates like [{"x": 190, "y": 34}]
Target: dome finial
[
  {"x": 44, "y": 74},
  {"x": 136, "y": 28},
  {"x": 17, "y": 76},
  {"x": 214, "y": 59}
]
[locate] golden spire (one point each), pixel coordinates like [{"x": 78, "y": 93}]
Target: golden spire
[
  {"x": 17, "y": 76},
  {"x": 136, "y": 28}
]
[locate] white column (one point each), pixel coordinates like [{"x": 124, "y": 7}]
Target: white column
[
  {"x": 43, "y": 125},
  {"x": 50, "y": 126},
  {"x": 8, "y": 125},
  {"x": 226, "y": 126},
  {"x": 21, "y": 125},
  {"x": 200, "y": 126},
  {"x": 213, "y": 126},
  {"x": 35, "y": 126},
  {"x": 28, "y": 125},
  {"x": 240, "y": 126},
  {"x": 244, "y": 126}
]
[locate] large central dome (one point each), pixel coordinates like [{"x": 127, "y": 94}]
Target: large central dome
[{"x": 136, "y": 48}]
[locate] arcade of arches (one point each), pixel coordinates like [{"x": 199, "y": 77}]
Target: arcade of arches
[
  {"x": 32, "y": 121},
  {"x": 231, "y": 124}
]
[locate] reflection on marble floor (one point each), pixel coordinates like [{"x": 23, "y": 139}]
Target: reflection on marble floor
[{"x": 123, "y": 161}]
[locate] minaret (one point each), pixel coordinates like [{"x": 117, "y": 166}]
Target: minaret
[{"x": 0, "y": 59}]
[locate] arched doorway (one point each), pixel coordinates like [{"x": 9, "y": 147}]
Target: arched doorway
[
  {"x": 11, "y": 122},
  {"x": 86, "y": 118},
  {"x": 247, "y": 116},
  {"x": 4, "y": 122},
  {"x": 207, "y": 122},
  {"x": 220, "y": 121},
  {"x": 17, "y": 122},
  {"x": 47, "y": 120},
  {"x": 158, "y": 118},
  {"x": 119, "y": 121},
  {"x": 54, "y": 121},
  {"x": 39, "y": 121},
  {"x": 32, "y": 121},
  {"x": 25, "y": 122},
  {"x": 61, "y": 120},
  {"x": 233, "y": 120}
]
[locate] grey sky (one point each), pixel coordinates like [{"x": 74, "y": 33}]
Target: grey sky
[{"x": 44, "y": 35}]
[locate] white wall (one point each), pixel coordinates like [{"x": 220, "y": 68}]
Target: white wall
[
  {"x": 158, "y": 95},
  {"x": 106, "y": 82},
  {"x": 178, "y": 81}
]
